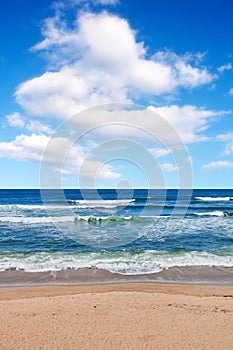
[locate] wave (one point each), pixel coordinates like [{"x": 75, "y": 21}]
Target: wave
[
  {"x": 211, "y": 213},
  {"x": 101, "y": 202},
  {"x": 74, "y": 204},
  {"x": 215, "y": 213},
  {"x": 228, "y": 213},
  {"x": 75, "y": 219},
  {"x": 55, "y": 207},
  {"x": 105, "y": 219},
  {"x": 214, "y": 199},
  {"x": 32, "y": 206},
  {"x": 36, "y": 220},
  {"x": 121, "y": 262},
  {"x": 27, "y": 220}
]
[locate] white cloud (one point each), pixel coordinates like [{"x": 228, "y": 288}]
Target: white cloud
[
  {"x": 169, "y": 167},
  {"x": 32, "y": 147},
  {"x": 99, "y": 60},
  {"x": 218, "y": 165},
  {"x": 224, "y": 67},
  {"x": 15, "y": 119},
  {"x": 228, "y": 138},
  {"x": 106, "y": 2},
  {"x": 106, "y": 172},
  {"x": 225, "y": 137},
  {"x": 189, "y": 121},
  {"x": 24, "y": 147},
  {"x": 58, "y": 5},
  {"x": 159, "y": 152},
  {"x": 229, "y": 149},
  {"x": 185, "y": 72},
  {"x": 231, "y": 91},
  {"x": 77, "y": 162},
  {"x": 35, "y": 125},
  {"x": 159, "y": 128}
]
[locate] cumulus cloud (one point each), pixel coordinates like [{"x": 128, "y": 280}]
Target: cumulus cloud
[
  {"x": 98, "y": 171},
  {"x": 15, "y": 119},
  {"x": 224, "y": 67},
  {"x": 161, "y": 129},
  {"x": 96, "y": 60},
  {"x": 24, "y": 147},
  {"x": 159, "y": 152},
  {"x": 188, "y": 120},
  {"x": 225, "y": 137},
  {"x": 169, "y": 167},
  {"x": 32, "y": 147},
  {"x": 99, "y": 60},
  {"x": 228, "y": 138},
  {"x": 218, "y": 165},
  {"x": 185, "y": 72},
  {"x": 36, "y": 125}
]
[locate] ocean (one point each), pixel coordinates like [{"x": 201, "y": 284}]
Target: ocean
[{"x": 104, "y": 236}]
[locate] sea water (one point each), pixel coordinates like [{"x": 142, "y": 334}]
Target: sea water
[{"x": 108, "y": 235}]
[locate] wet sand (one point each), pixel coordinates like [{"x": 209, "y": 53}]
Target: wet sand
[{"x": 117, "y": 316}]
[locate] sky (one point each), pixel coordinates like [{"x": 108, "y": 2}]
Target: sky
[{"x": 60, "y": 58}]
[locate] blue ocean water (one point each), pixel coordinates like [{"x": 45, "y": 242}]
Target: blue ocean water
[{"x": 157, "y": 234}]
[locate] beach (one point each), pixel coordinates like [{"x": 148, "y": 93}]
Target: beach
[
  {"x": 116, "y": 272},
  {"x": 116, "y": 316}
]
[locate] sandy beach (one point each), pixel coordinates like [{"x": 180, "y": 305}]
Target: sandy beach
[{"x": 116, "y": 316}]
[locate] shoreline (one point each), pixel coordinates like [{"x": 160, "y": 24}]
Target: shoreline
[
  {"x": 186, "y": 289},
  {"x": 203, "y": 275},
  {"x": 116, "y": 316}
]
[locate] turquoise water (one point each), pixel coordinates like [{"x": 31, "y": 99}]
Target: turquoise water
[{"x": 123, "y": 233}]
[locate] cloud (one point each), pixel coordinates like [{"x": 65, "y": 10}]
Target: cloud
[
  {"x": 159, "y": 152},
  {"x": 105, "y": 172},
  {"x": 222, "y": 68},
  {"x": 169, "y": 167},
  {"x": 184, "y": 70},
  {"x": 157, "y": 127},
  {"x": 24, "y": 147},
  {"x": 59, "y": 5},
  {"x": 106, "y": 2},
  {"x": 225, "y": 137},
  {"x": 228, "y": 138},
  {"x": 188, "y": 120},
  {"x": 63, "y": 94},
  {"x": 229, "y": 149},
  {"x": 231, "y": 91},
  {"x": 218, "y": 165},
  {"x": 161, "y": 129},
  {"x": 15, "y": 119},
  {"x": 78, "y": 162},
  {"x": 32, "y": 147},
  {"x": 35, "y": 125},
  {"x": 99, "y": 60}
]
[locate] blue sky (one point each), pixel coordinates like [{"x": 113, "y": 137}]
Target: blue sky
[{"x": 58, "y": 58}]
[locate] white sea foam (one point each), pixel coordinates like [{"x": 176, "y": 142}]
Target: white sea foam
[
  {"x": 75, "y": 218},
  {"x": 102, "y": 202},
  {"x": 123, "y": 262},
  {"x": 36, "y": 220},
  {"x": 73, "y": 204},
  {"x": 211, "y": 213},
  {"x": 214, "y": 199},
  {"x": 33, "y": 206}
]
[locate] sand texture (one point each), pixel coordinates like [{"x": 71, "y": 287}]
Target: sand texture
[{"x": 118, "y": 316}]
